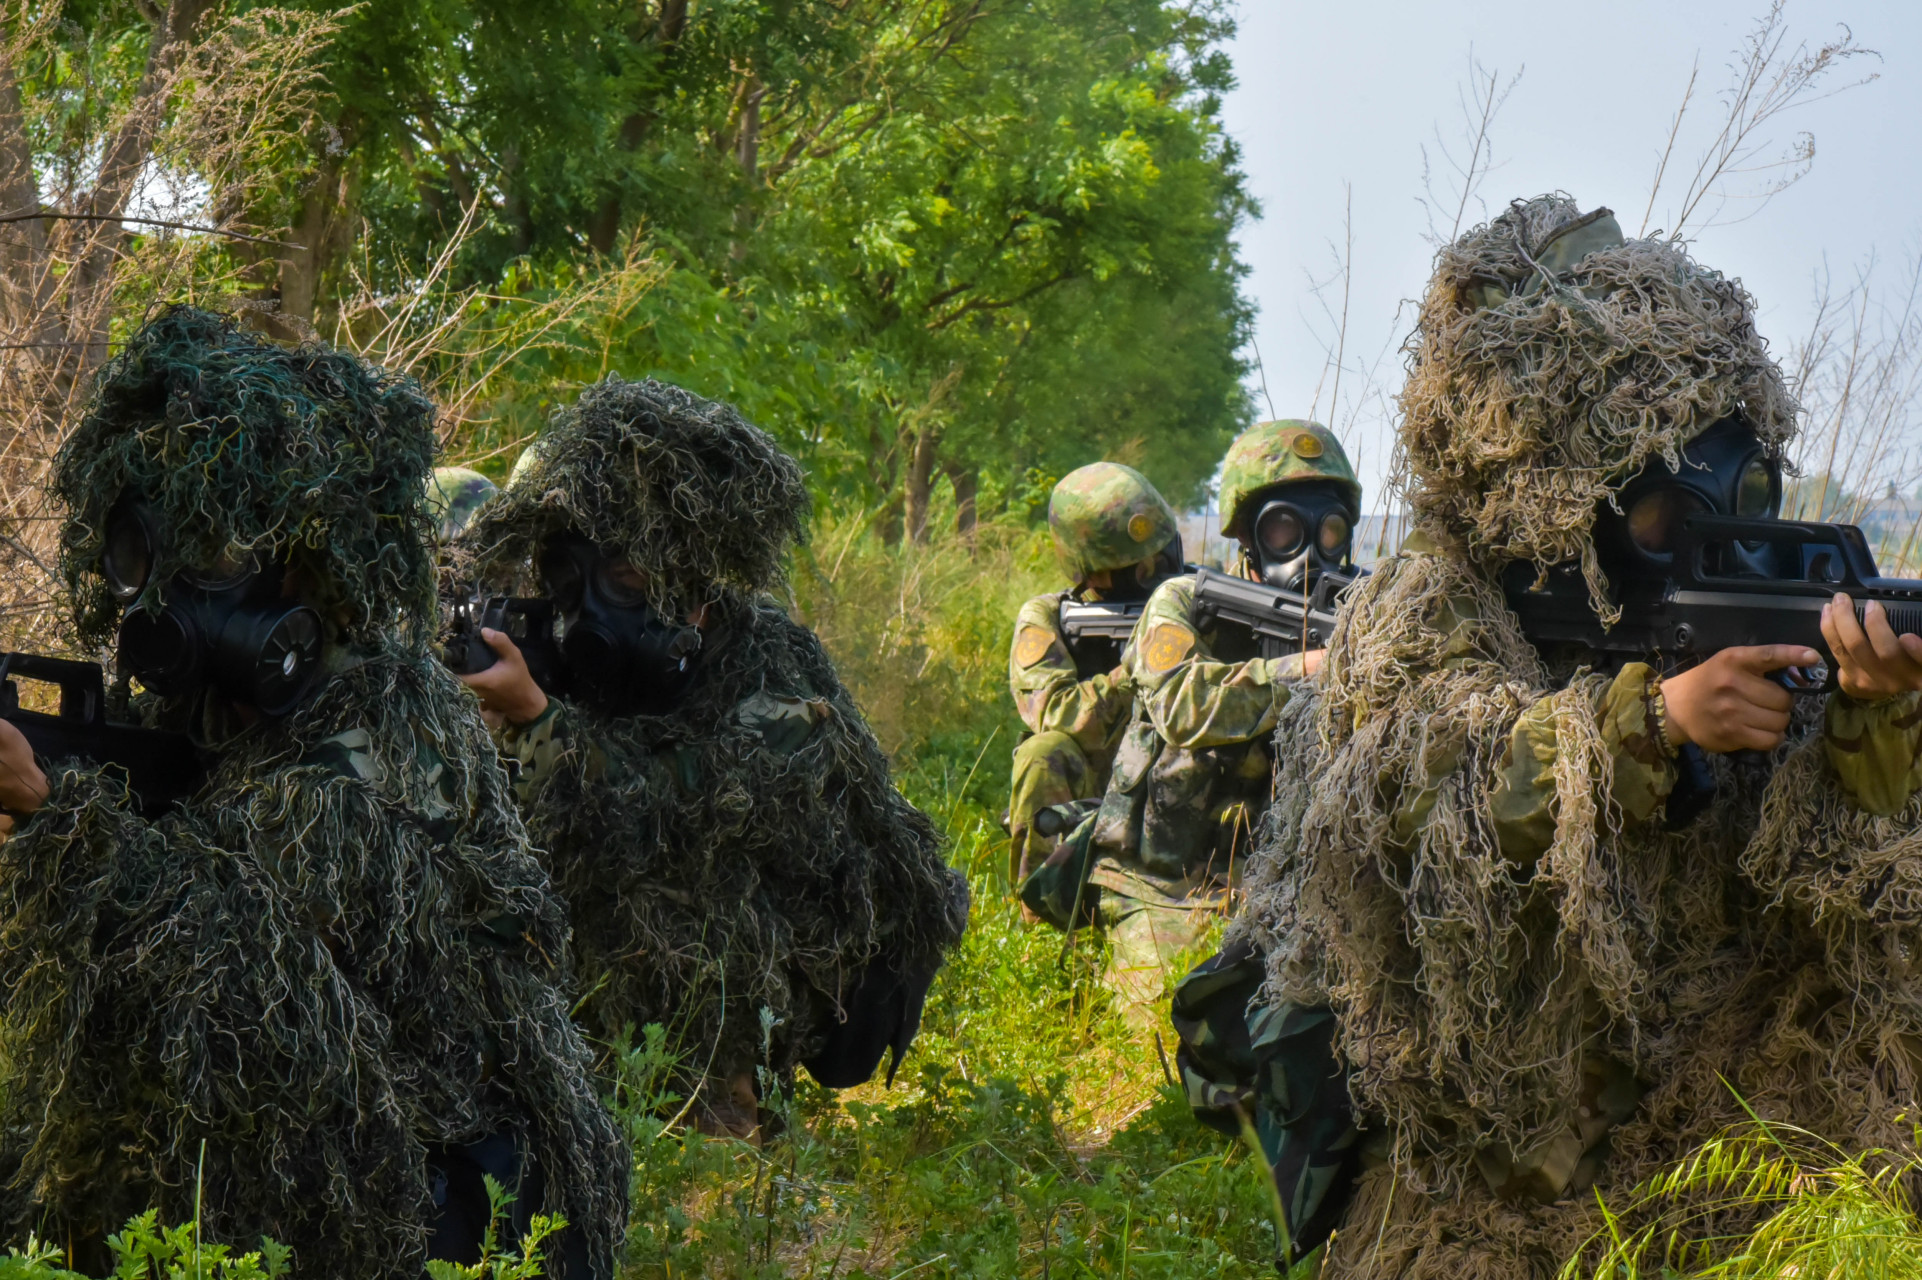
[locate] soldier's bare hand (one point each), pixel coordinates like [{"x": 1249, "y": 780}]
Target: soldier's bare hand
[
  {"x": 1728, "y": 703},
  {"x": 23, "y": 787},
  {"x": 506, "y": 688},
  {"x": 1311, "y": 661},
  {"x": 1871, "y": 661}
]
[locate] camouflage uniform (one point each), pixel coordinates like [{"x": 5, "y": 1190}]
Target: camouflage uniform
[
  {"x": 1190, "y": 777},
  {"x": 1075, "y": 700}
]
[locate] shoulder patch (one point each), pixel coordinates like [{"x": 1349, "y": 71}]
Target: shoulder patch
[
  {"x": 1031, "y": 644},
  {"x": 1169, "y": 643}
]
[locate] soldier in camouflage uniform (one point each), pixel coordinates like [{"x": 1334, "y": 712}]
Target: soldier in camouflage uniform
[
  {"x": 316, "y": 996},
  {"x": 454, "y": 497},
  {"x": 1190, "y": 778},
  {"x": 1117, "y": 538}
]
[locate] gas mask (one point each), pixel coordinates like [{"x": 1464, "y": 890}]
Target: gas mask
[
  {"x": 1300, "y": 531},
  {"x": 1725, "y": 471},
  {"x": 1130, "y": 584},
  {"x": 226, "y": 628},
  {"x": 621, "y": 653}
]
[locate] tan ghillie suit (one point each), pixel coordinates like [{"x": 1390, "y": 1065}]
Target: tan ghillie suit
[{"x": 1543, "y": 992}]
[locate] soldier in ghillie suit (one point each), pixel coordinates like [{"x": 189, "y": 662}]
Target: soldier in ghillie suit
[
  {"x": 316, "y": 998},
  {"x": 742, "y": 869},
  {"x": 1117, "y": 539},
  {"x": 1569, "y": 919},
  {"x": 1191, "y": 777}
]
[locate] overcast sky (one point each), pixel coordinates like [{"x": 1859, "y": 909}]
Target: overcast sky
[{"x": 1334, "y": 94}]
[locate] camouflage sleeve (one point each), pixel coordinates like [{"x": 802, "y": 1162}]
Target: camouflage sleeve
[
  {"x": 1194, "y": 700},
  {"x": 530, "y": 750},
  {"x": 1876, "y": 749},
  {"x": 1524, "y": 804},
  {"x": 1047, "y": 694}
]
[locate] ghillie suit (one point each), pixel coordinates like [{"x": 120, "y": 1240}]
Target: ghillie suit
[
  {"x": 1072, "y": 692},
  {"x": 319, "y": 996},
  {"x": 1549, "y": 979},
  {"x": 741, "y": 867}
]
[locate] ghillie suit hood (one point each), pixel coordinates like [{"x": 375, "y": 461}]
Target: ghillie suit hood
[
  {"x": 270, "y": 1004},
  {"x": 1498, "y": 1012},
  {"x": 736, "y": 862},
  {"x": 301, "y": 455},
  {"x": 684, "y": 489}
]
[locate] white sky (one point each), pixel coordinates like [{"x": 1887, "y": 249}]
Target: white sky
[{"x": 1348, "y": 93}]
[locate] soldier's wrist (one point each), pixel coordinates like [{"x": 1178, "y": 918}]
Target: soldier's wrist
[{"x": 1668, "y": 736}]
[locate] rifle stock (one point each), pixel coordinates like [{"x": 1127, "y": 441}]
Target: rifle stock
[{"x": 161, "y": 767}]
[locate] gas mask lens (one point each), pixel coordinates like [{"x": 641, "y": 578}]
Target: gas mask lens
[
  {"x": 1334, "y": 534},
  {"x": 620, "y": 583},
  {"x": 127, "y": 560},
  {"x": 1279, "y": 531},
  {"x": 1655, "y": 520},
  {"x": 1756, "y": 492}
]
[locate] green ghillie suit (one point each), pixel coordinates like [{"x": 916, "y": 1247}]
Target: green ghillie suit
[
  {"x": 301, "y": 999},
  {"x": 741, "y": 867},
  {"x": 1544, "y": 986}
]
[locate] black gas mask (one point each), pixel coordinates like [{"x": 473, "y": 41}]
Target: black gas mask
[
  {"x": 1725, "y": 471},
  {"x": 1129, "y": 585},
  {"x": 1299, "y": 531},
  {"x": 226, "y": 628},
  {"x": 621, "y": 653}
]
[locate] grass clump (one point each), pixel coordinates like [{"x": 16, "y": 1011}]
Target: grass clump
[{"x": 1765, "y": 1202}]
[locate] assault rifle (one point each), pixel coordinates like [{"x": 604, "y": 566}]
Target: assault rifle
[
  {"x": 161, "y": 767},
  {"x": 1283, "y": 621},
  {"x": 1100, "y": 619},
  {"x": 1699, "y": 606},
  {"x": 530, "y": 621}
]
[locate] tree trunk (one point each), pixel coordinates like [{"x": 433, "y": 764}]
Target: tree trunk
[
  {"x": 967, "y": 486},
  {"x": 887, "y": 521},
  {"x": 918, "y": 485}
]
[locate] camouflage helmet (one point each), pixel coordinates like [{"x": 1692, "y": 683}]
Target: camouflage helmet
[
  {"x": 525, "y": 463},
  {"x": 1271, "y": 453},
  {"x": 454, "y": 495},
  {"x": 1106, "y": 516}
]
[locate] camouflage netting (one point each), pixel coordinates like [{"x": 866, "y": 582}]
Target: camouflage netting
[
  {"x": 302, "y": 455},
  {"x": 734, "y": 862},
  {"x": 1762, "y": 950},
  {"x": 686, "y": 489},
  {"x": 337, "y": 953}
]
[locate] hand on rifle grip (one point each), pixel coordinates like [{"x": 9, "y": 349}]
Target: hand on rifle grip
[
  {"x": 1871, "y": 661},
  {"x": 506, "y": 689},
  {"x": 1730, "y": 703}
]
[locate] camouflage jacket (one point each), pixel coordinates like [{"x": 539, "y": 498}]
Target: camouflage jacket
[
  {"x": 1053, "y": 692},
  {"x": 1191, "y": 776}
]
